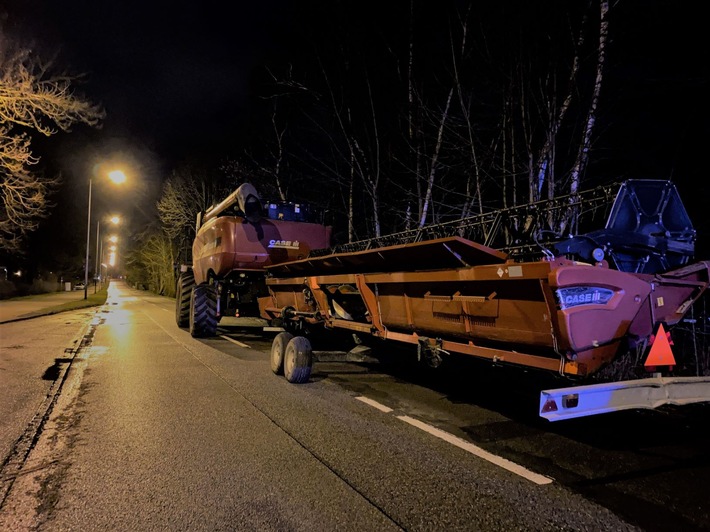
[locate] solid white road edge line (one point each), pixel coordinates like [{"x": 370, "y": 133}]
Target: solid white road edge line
[{"x": 240, "y": 344}]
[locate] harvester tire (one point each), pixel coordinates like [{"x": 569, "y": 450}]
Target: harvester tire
[
  {"x": 182, "y": 298},
  {"x": 298, "y": 360},
  {"x": 203, "y": 311},
  {"x": 278, "y": 349}
]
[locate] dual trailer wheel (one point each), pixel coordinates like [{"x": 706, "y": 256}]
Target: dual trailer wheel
[
  {"x": 292, "y": 357},
  {"x": 196, "y": 308}
]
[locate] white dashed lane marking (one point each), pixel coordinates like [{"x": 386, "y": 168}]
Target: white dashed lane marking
[
  {"x": 240, "y": 344},
  {"x": 463, "y": 444},
  {"x": 375, "y": 404}
]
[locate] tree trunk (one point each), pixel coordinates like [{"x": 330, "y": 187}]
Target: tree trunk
[{"x": 434, "y": 160}]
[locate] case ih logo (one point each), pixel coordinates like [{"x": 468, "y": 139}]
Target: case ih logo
[
  {"x": 288, "y": 244},
  {"x": 582, "y": 295}
]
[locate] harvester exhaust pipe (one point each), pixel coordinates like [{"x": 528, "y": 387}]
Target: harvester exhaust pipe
[{"x": 248, "y": 199}]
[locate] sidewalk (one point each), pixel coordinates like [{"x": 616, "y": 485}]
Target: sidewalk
[{"x": 21, "y": 308}]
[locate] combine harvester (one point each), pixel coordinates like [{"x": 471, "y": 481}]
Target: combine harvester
[
  {"x": 585, "y": 304},
  {"x": 235, "y": 240}
]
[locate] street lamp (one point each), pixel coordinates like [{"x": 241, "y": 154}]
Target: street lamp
[
  {"x": 115, "y": 220},
  {"x": 112, "y": 251},
  {"x": 117, "y": 177},
  {"x": 111, "y": 257}
]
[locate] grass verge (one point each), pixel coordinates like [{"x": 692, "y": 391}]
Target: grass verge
[{"x": 92, "y": 300}]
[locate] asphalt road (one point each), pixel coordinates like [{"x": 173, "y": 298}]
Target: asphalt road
[{"x": 152, "y": 429}]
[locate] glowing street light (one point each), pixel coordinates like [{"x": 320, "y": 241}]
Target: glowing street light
[
  {"x": 117, "y": 177},
  {"x": 115, "y": 220}
]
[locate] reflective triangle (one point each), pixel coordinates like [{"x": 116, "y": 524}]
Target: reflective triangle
[{"x": 661, "y": 353}]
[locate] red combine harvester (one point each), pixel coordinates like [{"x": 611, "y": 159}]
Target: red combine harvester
[
  {"x": 235, "y": 241},
  {"x": 588, "y": 301}
]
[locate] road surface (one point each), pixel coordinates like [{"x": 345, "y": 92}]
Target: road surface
[{"x": 152, "y": 429}]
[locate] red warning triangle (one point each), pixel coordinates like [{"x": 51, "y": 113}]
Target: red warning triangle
[{"x": 661, "y": 353}]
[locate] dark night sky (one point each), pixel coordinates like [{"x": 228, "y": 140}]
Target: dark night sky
[
  {"x": 178, "y": 81},
  {"x": 164, "y": 75},
  {"x": 175, "y": 83}
]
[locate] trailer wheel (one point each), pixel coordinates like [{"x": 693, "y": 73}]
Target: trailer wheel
[
  {"x": 278, "y": 348},
  {"x": 298, "y": 360},
  {"x": 203, "y": 311},
  {"x": 182, "y": 298}
]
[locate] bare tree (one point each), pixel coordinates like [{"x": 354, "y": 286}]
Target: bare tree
[
  {"x": 423, "y": 140},
  {"x": 473, "y": 190},
  {"x": 346, "y": 121},
  {"x": 433, "y": 167},
  {"x": 362, "y": 147},
  {"x": 277, "y": 154},
  {"x": 181, "y": 200},
  {"x": 152, "y": 262},
  {"x": 544, "y": 167},
  {"x": 185, "y": 193},
  {"x": 568, "y": 222},
  {"x": 32, "y": 99},
  {"x": 583, "y": 153}
]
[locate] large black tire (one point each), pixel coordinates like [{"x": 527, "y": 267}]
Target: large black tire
[
  {"x": 203, "y": 311},
  {"x": 298, "y": 360},
  {"x": 182, "y": 298},
  {"x": 278, "y": 349}
]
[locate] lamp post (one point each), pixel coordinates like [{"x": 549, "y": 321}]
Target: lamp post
[
  {"x": 115, "y": 220},
  {"x": 96, "y": 268},
  {"x": 117, "y": 177},
  {"x": 111, "y": 253},
  {"x": 88, "y": 236}
]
